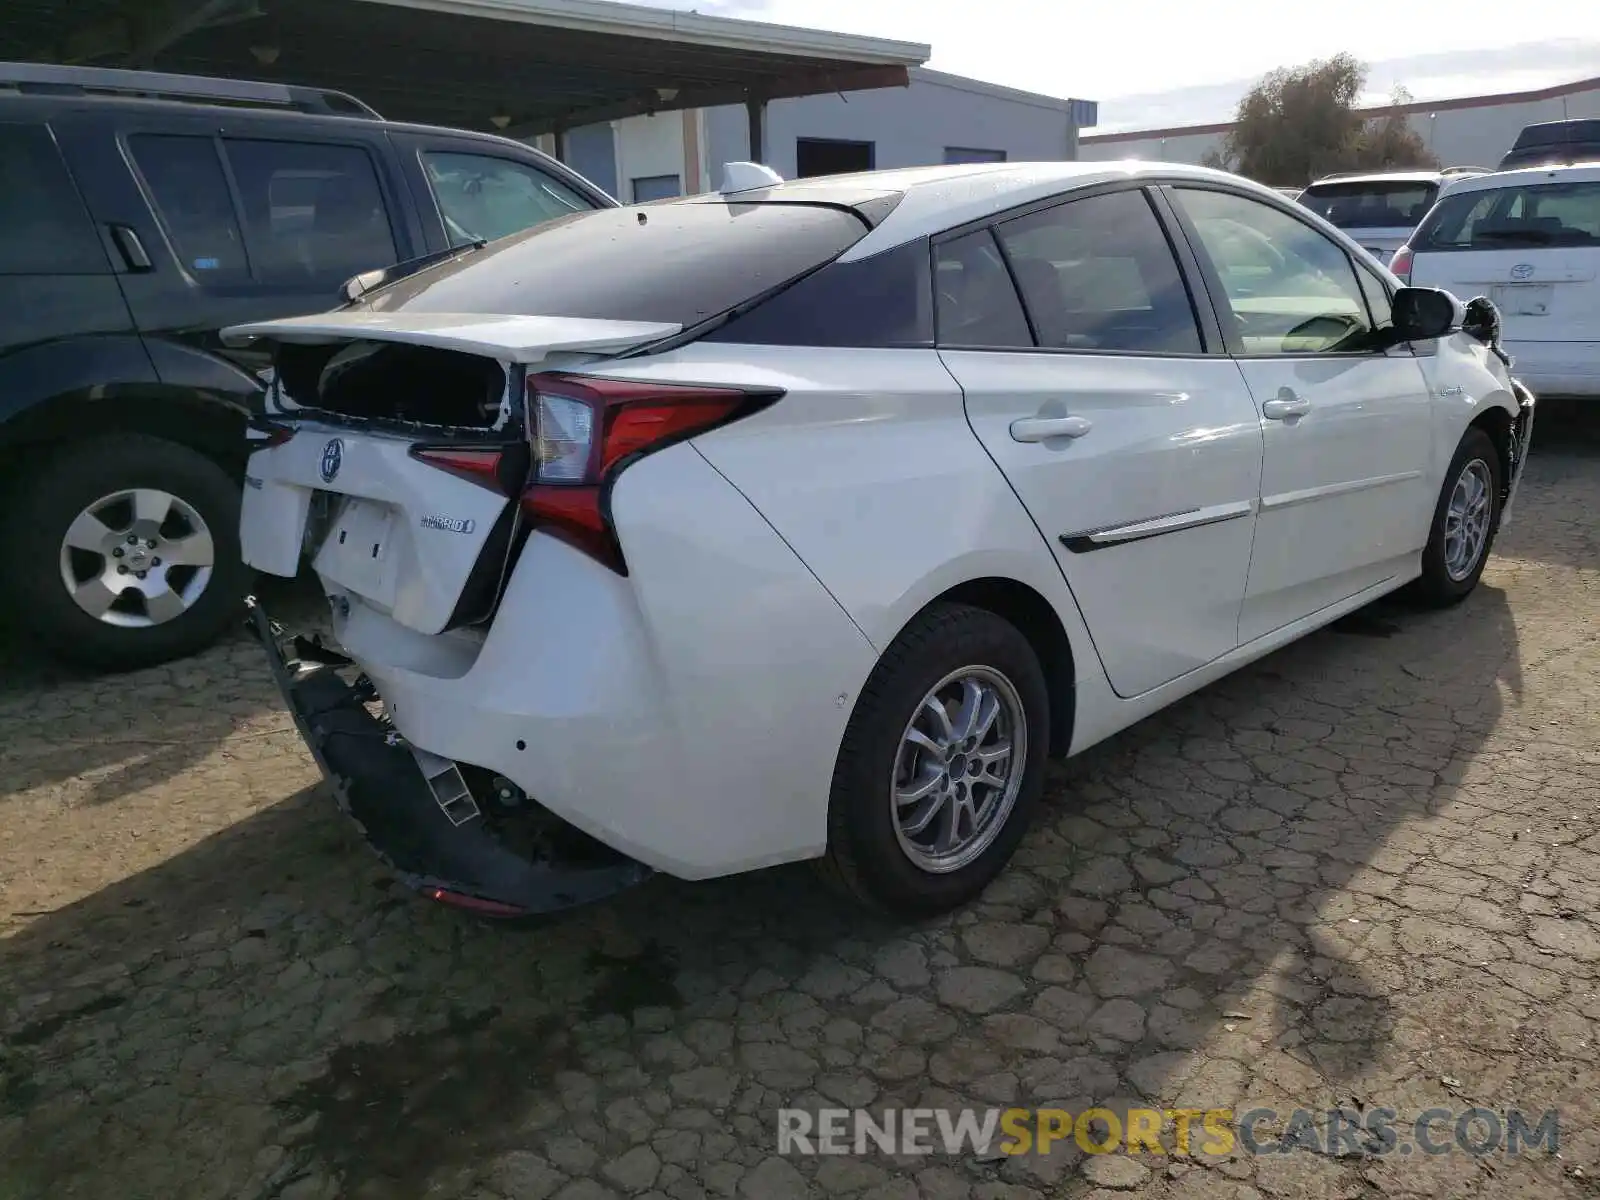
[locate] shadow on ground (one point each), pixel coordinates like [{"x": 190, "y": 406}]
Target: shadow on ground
[{"x": 113, "y": 734}]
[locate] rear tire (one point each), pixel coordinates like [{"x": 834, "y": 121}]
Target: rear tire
[
  {"x": 902, "y": 762},
  {"x": 105, "y": 494},
  {"x": 1465, "y": 521}
]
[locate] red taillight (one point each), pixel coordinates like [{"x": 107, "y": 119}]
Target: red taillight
[
  {"x": 477, "y": 904},
  {"x": 271, "y": 435},
  {"x": 477, "y": 466},
  {"x": 584, "y": 430},
  {"x": 1400, "y": 264}
]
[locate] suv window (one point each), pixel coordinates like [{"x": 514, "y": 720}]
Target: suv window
[
  {"x": 1290, "y": 289},
  {"x": 1539, "y": 214},
  {"x": 492, "y": 198},
  {"x": 313, "y": 212},
  {"x": 185, "y": 179},
  {"x": 1099, "y": 274},
  {"x": 44, "y": 228},
  {"x": 1375, "y": 204}
]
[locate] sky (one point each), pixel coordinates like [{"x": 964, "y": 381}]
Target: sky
[{"x": 1143, "y": 48}]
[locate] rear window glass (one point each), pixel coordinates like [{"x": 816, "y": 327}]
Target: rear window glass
[
  {"x": 884, "y": 301},
  {"x": 683, "y": 262},
  {"x": 1372, "y": 205},
  {"x": 1545, "y": 214}
]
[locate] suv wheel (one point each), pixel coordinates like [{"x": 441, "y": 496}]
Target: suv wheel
[
  {"x": 941, "y": 764},
  {"x": 129, "y": 552}
]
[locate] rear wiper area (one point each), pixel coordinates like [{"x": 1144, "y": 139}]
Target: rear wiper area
[{"x": 357, "y": 286}]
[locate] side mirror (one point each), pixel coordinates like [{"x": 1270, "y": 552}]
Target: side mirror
[{"x": 1422, "y": 313}]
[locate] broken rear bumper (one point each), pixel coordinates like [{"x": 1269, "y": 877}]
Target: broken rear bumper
[
  {"x": 1521, "y": 443},
  {"x": 450, "y": 847}
]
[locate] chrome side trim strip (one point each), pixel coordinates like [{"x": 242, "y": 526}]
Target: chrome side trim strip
[
  {"x": 1148, "y": 527},
  {"x": 1327, "y": 490}
]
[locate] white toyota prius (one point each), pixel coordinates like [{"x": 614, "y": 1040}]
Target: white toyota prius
[{"x": 805, "y": 520}]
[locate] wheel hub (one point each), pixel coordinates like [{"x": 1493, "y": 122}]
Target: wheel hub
[
  {"x": 137, "y": 558},
  {"x": 958, "y": 769}
]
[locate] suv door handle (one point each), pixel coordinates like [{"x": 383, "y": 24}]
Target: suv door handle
[
  {"x": 131, "y": 248},
  {"x": 1041, "y": 429},
  {"x": 1286, "y": 405}
]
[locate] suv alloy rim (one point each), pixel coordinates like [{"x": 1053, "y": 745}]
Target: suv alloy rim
[
  {"x": 958, "y": 769},
  {"x": 137, "y": 558},
  {"x": 1466, "y": 519}
]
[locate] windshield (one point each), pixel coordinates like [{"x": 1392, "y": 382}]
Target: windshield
[
  {"x": 1371, "y": 204},
  {"x": 1544, "y": 214}
]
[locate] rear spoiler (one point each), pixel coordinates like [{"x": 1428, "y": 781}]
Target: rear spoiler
[{"x": 519, "y": 339}]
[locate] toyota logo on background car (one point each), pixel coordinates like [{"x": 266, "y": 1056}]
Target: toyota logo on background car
[
  {"x": 1522, "y": 271},
  {"x": 332, "y": 457}
]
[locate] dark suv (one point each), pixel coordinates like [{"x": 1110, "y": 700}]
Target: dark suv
[
  {"x": 139, "y": 214},
  {"x": 1554, "y": 144}
]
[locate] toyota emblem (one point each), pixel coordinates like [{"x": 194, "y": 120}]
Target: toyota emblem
[
  {"x": 332, "y": 457},
  {"x": 1522, "y": 271}
]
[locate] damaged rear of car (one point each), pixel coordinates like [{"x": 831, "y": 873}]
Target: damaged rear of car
[{"x": 450, "y": 457}]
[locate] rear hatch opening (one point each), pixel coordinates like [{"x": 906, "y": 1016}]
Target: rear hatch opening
[{"x": 395, "y": 384}]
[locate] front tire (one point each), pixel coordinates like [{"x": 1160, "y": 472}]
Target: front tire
[
  {"x": 1465, "y": 520},
  {"x": 941, "y": 765},
  {"x": 128, "y": 552}
]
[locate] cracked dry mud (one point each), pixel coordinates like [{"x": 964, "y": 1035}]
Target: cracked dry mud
[{"x": 1363, "y": 871}]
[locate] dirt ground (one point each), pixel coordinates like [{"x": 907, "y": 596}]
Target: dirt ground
[{"x": 1363, "y": 872}]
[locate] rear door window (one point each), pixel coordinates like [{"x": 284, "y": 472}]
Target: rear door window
[
  {"x": 1099, "y": 274},
  {"x": 1371, "y": 205},
  {"x": 313, "y": 212},
  {"x": 1504, "y": 218},
  {"x": 482, "y": 197},
  {"x": 44, "y": 228},
  {"x": 186, "y": 181}
]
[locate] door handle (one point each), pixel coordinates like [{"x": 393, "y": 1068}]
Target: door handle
[
  {"x": 1285, "y": 406},
  {"x": 131, "y": 248},
  {"x": 1042, "y": 429}
]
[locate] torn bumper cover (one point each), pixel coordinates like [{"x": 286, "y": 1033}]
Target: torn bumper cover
[
  {"x": 1521, "y": 443},
  {"x": 418, "y": 812}
]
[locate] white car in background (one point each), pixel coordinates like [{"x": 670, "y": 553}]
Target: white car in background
[
  {"x": 1380, "y": 209},
  {"x": 1530, "y": 241},
  {"x": 806, "y": 520}
]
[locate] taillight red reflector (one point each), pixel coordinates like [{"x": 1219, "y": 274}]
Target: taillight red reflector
[
  {"x": 477, "y": 904},
  {"x": 276, "y": 435},
  {"x": 584, "y": 429},
  {"x": 640, "y": 425},
  {"x": 478, "y": 466},
  {"x": 1400, "y": 264}
]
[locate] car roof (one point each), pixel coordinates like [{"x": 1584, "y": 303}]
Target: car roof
[
  {"x": 933, "y": 199},
  {"x": 1576, "y": 173},
  {"x": 1383, "y": 177}
]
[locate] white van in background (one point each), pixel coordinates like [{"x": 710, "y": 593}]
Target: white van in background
[
  {"x": 1380, "y": 209},
  {"x": 1530, "y": 241}
]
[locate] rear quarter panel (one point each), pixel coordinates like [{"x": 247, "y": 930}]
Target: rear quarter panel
[{"x": 870, "y": 471}]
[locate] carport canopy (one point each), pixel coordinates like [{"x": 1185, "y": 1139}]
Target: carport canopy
[{"x": 522, "y": 67}]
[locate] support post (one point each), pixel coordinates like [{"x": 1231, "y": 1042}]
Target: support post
[
  {"x": 561, "y": 142},
  {"x": 755, "y": 108}
]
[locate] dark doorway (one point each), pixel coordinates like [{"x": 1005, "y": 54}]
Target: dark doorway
[{"x": 829, "y": 156}]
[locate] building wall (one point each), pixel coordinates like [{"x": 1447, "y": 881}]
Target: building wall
[
  {"x": 910, "y": 126},
  {"x": 1179, "y": 148},
  {"x": 1460, "y": 134}
]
